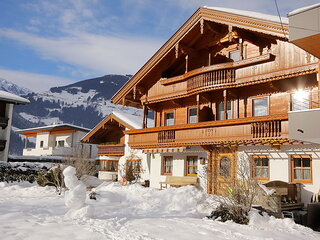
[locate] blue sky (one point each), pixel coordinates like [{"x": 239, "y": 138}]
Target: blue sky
[{"x": 47, "y": 43}]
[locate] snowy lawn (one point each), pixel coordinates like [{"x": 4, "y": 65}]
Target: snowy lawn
[{"x": 131, "y": 212}]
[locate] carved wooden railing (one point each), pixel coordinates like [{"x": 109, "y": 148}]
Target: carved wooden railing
[
  {"x": 2, "y": 145},
  {"x": 111, "y": 150},
  {"x": 266, "y": 129},
  {"x": 213, "y": 78},
  {"x": 166, "y": 136}
]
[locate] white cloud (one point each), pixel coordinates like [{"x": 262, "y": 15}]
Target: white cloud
[
  {"x": 33, "y": 81},
  {"x": 98, "y": 53}
]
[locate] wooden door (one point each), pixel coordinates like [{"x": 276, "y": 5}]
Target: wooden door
[{"x": 225, "y": 172}]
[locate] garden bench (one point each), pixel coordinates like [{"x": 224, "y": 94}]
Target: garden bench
[{"x": 175, "y": 181}]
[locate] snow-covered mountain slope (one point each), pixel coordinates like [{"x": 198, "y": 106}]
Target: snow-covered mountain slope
[
  {"x": 8, "y": 86},
  {"x": 83, "y": 103}
]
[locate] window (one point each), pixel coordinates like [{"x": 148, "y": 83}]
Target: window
[
  {"x": 225, "y": 165},
  {"x": 60, "y": 143},
  {"x": 300, "y": 100},
  {"x": 41, "y": 144},
  {"x": 260, "y": 107},
  {"x": 167, "y": 165},
  {"x": 221, "y": 111},
  {"x": 192, "y": 165},
  {"x": 109, "y": 165},
  {"x": 135, "y": 164},
  {"x": 301, "y": 170},
  {"x": 260, "y": 167},
  {"x": 169, "y": 119},
  {"x": 235, "y": 55},
  {"x": 192, "y": 115}
]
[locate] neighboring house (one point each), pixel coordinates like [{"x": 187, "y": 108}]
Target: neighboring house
[
  {"x": 114, "y": 153},
  {"x": 304, "y": 28},
  {"x": 7, "y": 101},
  {"x": 221, "y": 87},
  {"x": 60, "y": 140}
]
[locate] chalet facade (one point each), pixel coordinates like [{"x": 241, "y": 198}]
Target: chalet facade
[
  {"x": 7, "y": 102},
  {"x": 58, "y": 140},
  {"x": 114, "y": 153},
  {"x": 222, "y": 87}
]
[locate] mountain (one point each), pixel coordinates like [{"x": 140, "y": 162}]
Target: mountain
[
  {"x": 7, "y": 86},
  {"x": 83, "y": 103}
]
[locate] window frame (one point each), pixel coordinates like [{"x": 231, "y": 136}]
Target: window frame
[
  {"x": 259, "y": 98},
  {"x": 254, "y": 167},
  {"x": 107, "y": 168},
  {"x": 188, "y": 115},
  {"x": 165, "y": 118},
  {"x": 136, "y": 161},
  {"x": 218, "y": 112},
  {"x": 309, "y": 100},
  {"x": 58, "y": 143},
  {"x": 163, "y": 166},
  {"x": 193, "y": 166},
  {"x": 292, "y": 168}
]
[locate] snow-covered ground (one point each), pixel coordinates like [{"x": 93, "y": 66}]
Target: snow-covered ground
[{"x": 129, "y": 212}]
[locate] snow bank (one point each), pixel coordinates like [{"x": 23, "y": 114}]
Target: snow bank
[{"x": 135, "y": 200}]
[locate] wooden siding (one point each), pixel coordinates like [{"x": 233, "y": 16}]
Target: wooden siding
[
  {"x": 111, "y": 150},
  {"x": 288, "y": 59}
]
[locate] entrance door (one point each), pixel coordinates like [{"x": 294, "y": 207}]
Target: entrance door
[{"x": 225, "y": 172}]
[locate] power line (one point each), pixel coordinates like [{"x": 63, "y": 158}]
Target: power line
[{"x": 275, "y": 1}]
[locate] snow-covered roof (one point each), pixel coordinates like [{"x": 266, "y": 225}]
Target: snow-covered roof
[
  {"x": 12, "y": 98},
  {"x": 257, "y": 15},
  {"x": 55, "y": 126},
  {"x": 303, "y": 9},
  {"x": 133, "y": 120}
]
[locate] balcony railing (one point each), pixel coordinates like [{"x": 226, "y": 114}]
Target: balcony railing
[
  {"x": 111, "y": 150},
  {"x": 3, "y": 122},
  {"x": 166, "y": 136},
  {"x": 266, "y": 129},
  {"x": 213, "y": 132},
  {"x": 213, "y": 78}
]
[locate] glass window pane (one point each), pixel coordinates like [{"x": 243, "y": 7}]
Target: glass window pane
[
  {"x": 306, "y": 174},
  {"x": 169, "y": 119},
  {"x": 235, "y": 55},
  {"x": 193, "y": 115},
  {"x": 221, "y": 111},
  {"x": 297, "y": 174},
  {"x": 265, "y": 162},
  {"x": 260, "y": 107},
  {"x": 225, "y": 167},
  {"x": 306, "y": 162},
  {"x": 264, "y": 172},
  {"x": 300, "y": 100},
  {"x": 297, "y": 162}
]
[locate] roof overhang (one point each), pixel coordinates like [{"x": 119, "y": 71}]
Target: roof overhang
[{"x": 276, "y": 29}]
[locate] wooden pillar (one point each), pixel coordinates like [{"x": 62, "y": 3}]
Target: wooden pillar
[
  {"x": 210, "y": 173},
  {"x": 245, "y": 107},
  {"x": 238, "y": 107},
  {"x": 187, "y": 57},
  {"x": 198, "y": 108},
  {"x": 144, "y": 121},
  {"x": 225, "y": 107},
  {"x": 209, "y": 60}
]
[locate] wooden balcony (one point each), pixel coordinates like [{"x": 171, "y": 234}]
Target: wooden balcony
[
  {"x": 208, "y": 79},
  {"x": 110, "y": 150},
  {"x": 267, "y": 128},
  {"x": 3, "y": 122},
  {"x": 2, "y": 144}
]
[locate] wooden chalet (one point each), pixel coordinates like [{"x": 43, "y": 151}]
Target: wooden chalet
[
  {"x": 109, "y": 136},
  {"x": 225, "y": 82}
]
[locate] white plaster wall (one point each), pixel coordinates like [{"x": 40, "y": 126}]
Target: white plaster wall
[
  {"x": 280, "y": 164},
  {"x": 178, "y": 165},
  {"x": 5, "y": 133}
]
